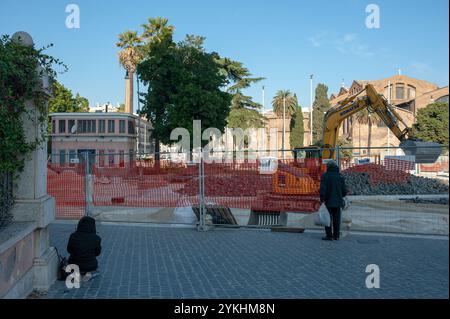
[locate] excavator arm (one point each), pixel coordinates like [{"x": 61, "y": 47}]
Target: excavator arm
[{"x": 425, "y": 152}]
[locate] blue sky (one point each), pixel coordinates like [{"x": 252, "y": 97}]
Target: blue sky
[{"x": 284, "y": 41}]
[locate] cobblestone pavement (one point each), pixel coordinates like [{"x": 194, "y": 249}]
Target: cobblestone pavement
[{"x": 164, "y": 262}]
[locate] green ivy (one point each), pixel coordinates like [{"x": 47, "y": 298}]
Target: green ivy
[{"x": 19, "y": 78}]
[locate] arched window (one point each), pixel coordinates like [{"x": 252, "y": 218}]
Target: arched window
[
  {"x": 411, "y": 94},
  {"x": 399, "y": 91}
]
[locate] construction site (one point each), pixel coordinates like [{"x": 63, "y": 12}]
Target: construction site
[{"x": 404, "y": 193}]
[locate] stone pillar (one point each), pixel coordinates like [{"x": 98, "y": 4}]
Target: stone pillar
[
  {"x": 32, "y": 203},
  {"x": 129, "y": 93}
]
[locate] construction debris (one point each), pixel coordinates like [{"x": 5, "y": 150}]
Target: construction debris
[{"x": 374, "y": 179}]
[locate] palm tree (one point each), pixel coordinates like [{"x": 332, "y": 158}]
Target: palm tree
[
  {"x": 157, "y": 30},
  {"x": 284, "y": 96},
  {"x": 129, "y": 58},
  {"x": 284, "y": 104},
  {"x": 364, "y": 117},
  {"x": 130, "y": 55}
]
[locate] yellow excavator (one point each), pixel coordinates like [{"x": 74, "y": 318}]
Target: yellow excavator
[
  {"x": 295, "y": 187},
  {"x": 424, "y": 152}
]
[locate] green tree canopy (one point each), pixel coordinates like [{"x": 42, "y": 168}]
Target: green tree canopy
[
  {"x": 197, "y": 94},
  {"x": 281, "y": 98},
  {"x": 64, "y": 101},
  {"x": 320, "y": 106},
  {"x": 244, "y": 111},
  {"x": 296, "y": 126},
  {"x": 432, "y": 123},
  {"x": 184, "y": 84}
]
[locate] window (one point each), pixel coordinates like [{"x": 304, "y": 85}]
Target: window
[
  {"x": 388, "y": 92},
  {"x": 399, "y": 92},
  {"x": 101, "y": 157},
  {"x": 86, "y": 126},
  {"x": 121, "y": 126},
  {"x": 62, "y": 126},
  {"x": 111, "y": 157},
  {"x": 54, "y": 156},
  {"x": 121, "y": 158},
  {"x": 111, "y": 126},
  {"x": 72, "y": 127},
  {"x": 131, "y": 156},
  {"x": 130, "y": 127},
  {"x": 53, "y": 126},
  {"x": 101, "y": 126},
  {"x": 62, "y": 157},
  {"x": 411, "y": 92}
]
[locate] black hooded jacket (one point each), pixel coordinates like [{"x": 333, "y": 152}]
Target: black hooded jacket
[
  {"x": 84, "y": 245},
  {"x": 332, "y": 188}
]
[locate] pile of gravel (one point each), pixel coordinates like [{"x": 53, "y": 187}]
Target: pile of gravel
[{"x": 362, "y": 183}]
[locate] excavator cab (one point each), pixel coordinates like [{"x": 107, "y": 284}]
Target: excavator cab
[{"x": 307, "y": 152}]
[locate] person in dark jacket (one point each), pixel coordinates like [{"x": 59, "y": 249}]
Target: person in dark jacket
[
  {"x": 84, "y": 246},
  {"x": 332, "y": 193}
]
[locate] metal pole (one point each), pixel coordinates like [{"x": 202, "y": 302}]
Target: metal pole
[
  {"x": 284, "y": 127},
  {"x": 138, "y": 131},
  {"x": 311, "y": 108},
  {"x": 201, "y": 187},
  {"x": 263, "y": 100},
  {"x": 388, "y": 129},
  {"x": 86, "y": 184}
]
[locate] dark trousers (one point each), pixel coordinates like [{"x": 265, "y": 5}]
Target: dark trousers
[{"x": 335, "y": 216}]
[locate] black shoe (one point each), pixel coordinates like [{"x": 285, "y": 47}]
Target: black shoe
[
  {"x": 335, "y": 238},
  {"x": 327, "y": 238}
]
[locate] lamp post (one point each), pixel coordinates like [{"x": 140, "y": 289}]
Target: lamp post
[
  {"x": 263, "y": 98},
  {"x": 311, "y": 108}
]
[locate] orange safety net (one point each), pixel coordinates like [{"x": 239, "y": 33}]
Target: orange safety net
[
  {"x": 293, "y": 186},
  {"x": 66, "y": 184}
]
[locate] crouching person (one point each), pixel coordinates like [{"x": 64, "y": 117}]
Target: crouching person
[{"x": 84, "y": 246}]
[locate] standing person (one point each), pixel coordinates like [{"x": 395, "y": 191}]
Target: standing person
[
  {"x": 332, "y": 193},
  {"x": 84, "y": 246}
]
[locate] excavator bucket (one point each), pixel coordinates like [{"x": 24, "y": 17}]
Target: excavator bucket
[{"x": 424, "y": 152}]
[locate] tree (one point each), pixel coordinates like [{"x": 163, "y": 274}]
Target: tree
[
  {"x": 432, "y": 123},
  {"x": 63, "y": 100},
  {"x": 364, "y": 117},
  {"x": 320, "y": 106},
  {"x": 184, "y": 84},
  {"x": 154, "y": 64},
  {"x": 129, "y": 58},
  {"x": 296, "y": 126},
  {"x": 244, "y": 112},
  {"x": 121, "y": 108},
  {"x": 131, "y": 53},
  {"x": 197, "y": 93},
  {"x": 284, "y": 99},
  {"x": 347, "y": 144}
]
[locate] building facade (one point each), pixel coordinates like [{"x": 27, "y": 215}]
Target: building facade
[{"x": 110, "y": 139}]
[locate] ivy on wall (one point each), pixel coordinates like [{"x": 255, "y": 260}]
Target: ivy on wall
[{"x": 20, "y": 76}]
